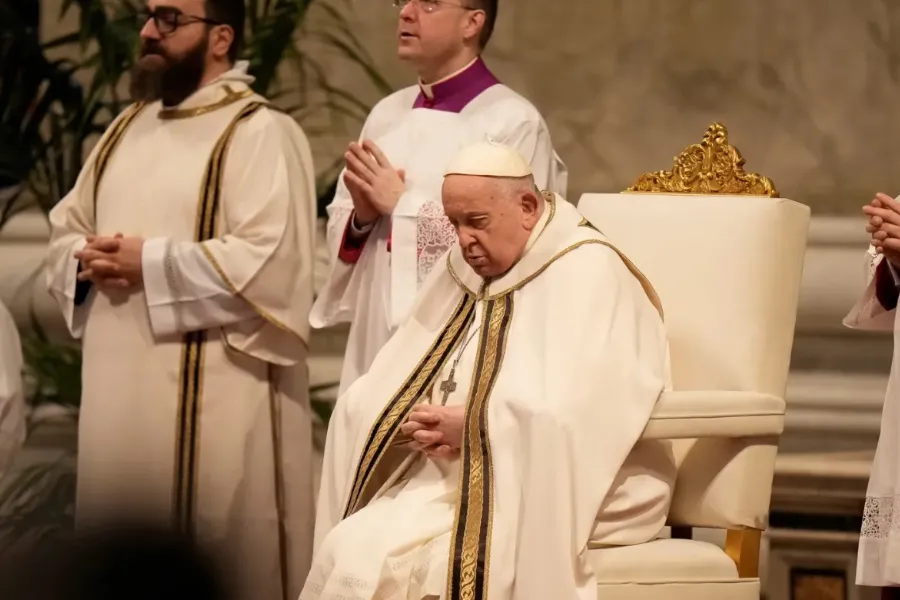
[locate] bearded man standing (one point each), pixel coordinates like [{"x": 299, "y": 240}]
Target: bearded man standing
[
  {"x": 386, "y": 226},
  {"x": 497, "y": 435},
  {"x": 183, "y": 259}
]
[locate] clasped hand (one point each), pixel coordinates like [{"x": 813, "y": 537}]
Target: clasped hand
[
  {"x": 375, "y": 186},
  {"x": 435, "y": 430},
  {"x": 111, "y": 262},
  {"x": 884, "y": 226}
]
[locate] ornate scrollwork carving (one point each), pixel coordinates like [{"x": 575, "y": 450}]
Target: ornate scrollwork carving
[{"x": 711, "y": 167}]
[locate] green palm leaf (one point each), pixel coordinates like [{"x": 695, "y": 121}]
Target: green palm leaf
[{"x": 270, "y": 36}]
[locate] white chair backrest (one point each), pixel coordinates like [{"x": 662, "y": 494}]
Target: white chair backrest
[
  {"x": 727, "y": 269},
  {"x": 725, "y": 256}
]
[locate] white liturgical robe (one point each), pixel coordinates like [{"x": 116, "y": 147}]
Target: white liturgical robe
[
  {"x": 195, "y": 406},
  {"x": 376, "y": 291},
  {"x": 560, "y": 364},
  {"x": 878, "y": 561}
]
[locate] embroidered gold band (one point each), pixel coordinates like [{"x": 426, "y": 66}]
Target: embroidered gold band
[
  {"x": 387, "y": 425},
  {"x": 190, "y": 389}
]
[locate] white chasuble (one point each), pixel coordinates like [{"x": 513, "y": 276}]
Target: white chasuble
[
  {"x": 376, "y": 293},
  {"x": 878, "y": 560},
  {"x": 559, "y": 364},
  {"x": 195, "y": 408}
]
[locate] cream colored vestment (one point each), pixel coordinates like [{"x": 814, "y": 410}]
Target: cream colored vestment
[
  {"x": 195, "y": 408},
  {"x": 561, "y": 362},
  {"x": 878, "y": 560}
]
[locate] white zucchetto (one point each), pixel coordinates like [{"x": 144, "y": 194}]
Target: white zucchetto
[{"x": 489, "y": 159}]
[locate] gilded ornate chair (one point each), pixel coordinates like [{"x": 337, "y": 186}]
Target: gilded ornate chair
[{"x": 725, "y": 254}]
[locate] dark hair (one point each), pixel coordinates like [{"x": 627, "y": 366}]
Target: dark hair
[
  {"x": 231, "y": 13},
  {"x": 490, "y": 18}
]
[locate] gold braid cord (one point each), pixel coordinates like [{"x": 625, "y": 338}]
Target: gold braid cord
[{"x": 711, "y": 167}]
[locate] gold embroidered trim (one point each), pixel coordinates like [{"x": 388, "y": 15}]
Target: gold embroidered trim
[
  {"x": 246, "y": 113},
  {"x": 645, "y": 283},
  {"x": 109, "y": 144},
  {"x": 387, "y": 426},
  {"x": 187, "y": 436},
  {"x": 231, "y": 287},
  {"x": 469, "y": 561},
  {"x": 456, "y": 278},
  {"x": 212, "y": 180},
  {"x": 231, "y": 97},
  {"x": 190, "y": 381},
  {"x": 549, "y": 198},
  {"x": 585, "y": 223}
]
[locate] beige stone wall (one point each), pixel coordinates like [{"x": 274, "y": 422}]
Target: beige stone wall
[{"x": 808, "y": 88}]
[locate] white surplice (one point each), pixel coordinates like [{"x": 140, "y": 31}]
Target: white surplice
[
  {"x": 878, "y": 560},
  {"x": 195, "y": 407},
  {"x": 558, "y": 389},
  {"x": 12, "y": 390},
  {"x": 377, "y": 292}
]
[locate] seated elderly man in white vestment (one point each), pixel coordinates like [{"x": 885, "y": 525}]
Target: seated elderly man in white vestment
[{"x": 496, "y": 436}]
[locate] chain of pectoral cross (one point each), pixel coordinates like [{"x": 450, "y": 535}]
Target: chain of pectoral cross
[{"x": 448, "y": 386}]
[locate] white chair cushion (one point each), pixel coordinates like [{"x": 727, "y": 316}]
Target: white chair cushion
[
  {"x": 669, "y": 569},
  {"x": 694, "y": 414},
  {"x": 663, "y": 561},
  {"x": 738, "y": 590}
]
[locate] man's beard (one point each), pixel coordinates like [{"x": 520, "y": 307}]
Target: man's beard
[{"x": 158, "y": 76}]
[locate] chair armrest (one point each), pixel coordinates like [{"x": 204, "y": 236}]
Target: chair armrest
[{"x": 715, "y": 414}]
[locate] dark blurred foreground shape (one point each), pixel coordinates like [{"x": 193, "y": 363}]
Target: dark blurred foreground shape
[{"x": 126, "y": 561}]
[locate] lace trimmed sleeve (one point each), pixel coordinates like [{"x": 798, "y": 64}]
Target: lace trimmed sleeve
[{"x": 434, "y": 236}]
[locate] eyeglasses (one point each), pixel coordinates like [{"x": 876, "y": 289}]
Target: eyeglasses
[
  {"x": 429, "y": 6},
  {"x": 167, "y": 19}
]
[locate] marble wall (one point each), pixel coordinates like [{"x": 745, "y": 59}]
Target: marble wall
[{"x": 808, "y": 88}]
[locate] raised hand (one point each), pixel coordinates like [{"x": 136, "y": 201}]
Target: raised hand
[
  {"x": 374, "y": 184},
  {"x": 884, "y": 226},
  {"x": 365, "y": 212}
]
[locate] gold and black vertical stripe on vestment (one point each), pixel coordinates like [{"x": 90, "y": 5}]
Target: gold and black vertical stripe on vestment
[
  {"x": 109, "y": 144},
  {"x": 470, "y": 545},
  {"x": 469, "y": 559},
  {"x": 419, "y": 382},
  {"x": 190, "y": 390}
]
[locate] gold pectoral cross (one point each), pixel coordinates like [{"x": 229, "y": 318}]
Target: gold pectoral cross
[{"x": 448, "y": 386}]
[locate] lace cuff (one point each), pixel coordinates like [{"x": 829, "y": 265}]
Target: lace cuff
[
  {"x": 434, "y": 236},
  {"x": 878, "y": 517}
]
